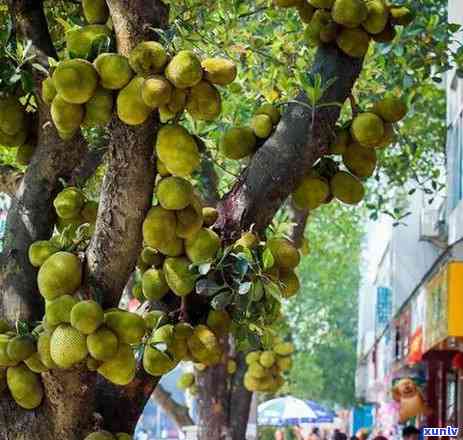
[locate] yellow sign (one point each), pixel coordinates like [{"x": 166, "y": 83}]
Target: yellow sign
[{"x": 444, "y": 305}]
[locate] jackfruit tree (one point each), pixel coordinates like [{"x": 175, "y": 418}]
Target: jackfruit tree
[{"x": 133, "y": 187}]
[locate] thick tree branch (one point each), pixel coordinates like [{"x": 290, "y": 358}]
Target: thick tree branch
[
  {"x": 299, "y": 218},
  {"x": 297, "y": 143},
  {"x": 178, "y": 413},
  {"x": 88, "y": 165}
]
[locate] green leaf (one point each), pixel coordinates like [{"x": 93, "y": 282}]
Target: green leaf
[
  {"x": 273, "y": 290},
  {"x": 267, "y": 259}
]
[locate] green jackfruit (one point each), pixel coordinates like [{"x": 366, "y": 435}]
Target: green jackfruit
[
  {"x": 204, "y": 346},
  {"x": 103, "y": 344},
  {"x": 87, "y": 316},
  {"x": 389, "y": 136},
  {"x": 123, "y": 436},
  {"x": 61, "y": 274},
  {"x": 203, "y": 246},
  {"x": 189, "y": 222},
  {"x": 321, "y": 29},
  {"x": 284, "y": 348},
  {"x": 25, "y": 386},
  {"x": 284, "y": 252},
  {"x": 284, "y": 363},
  {"x": 16, "y": 140},
  {"x": 20, "y": 348},
  {"x": 219, "y": 71},
  {"x": 153, "y": 319},
  {"x": 262, "y": 126},
  {"x": 156, "y": 91},
  {"x": 58, "y": 310},
  {"x": 178, "y": 150},
  {"x": 184, "y": 70},
  {"x": 270, "y": 110},
  {"x": 159, "y": 227},
  {"x": 349, "y": 13},
  {"x": 131, "y": 109},
  {"x": 174, "y": 193},
  {"x": 353, "y": 42},
  {"x": 306, "y": 12},
  {"x": 178, "y": 275},
  {"x": 129, "y": 327},
  {"x": 48, "y": 90},
  {"x": 114, "y": 70},
  {"x": 378, "y": 15},
  {"x": 154, "y": 284},
  {"x": 267, "y": 359},
  {"x": 39, "y": 251},
  {"x": 321, "y": 4},
  {"x": 290, "y": 283},
  {"x": 162, "y": 169},
  {"x": 95, "y": 11},
  {"x": 347, "y": 188},
  {"x": 68, "y": 346},
  {"x": 401, "y": 15},
  {"x": 5, "y": 360},
  {"x": 204, "y": 102},
  {"x": 81, "y": 42},
  {"x": 75, "y": 80},
  {"x": 12, "y": 116},
  {"x": 311, "y": 192},
  {"x": 186, "y": 380},
  {"x": 390, "y": 108},
  {"x": 219, "y": 322},
  {"x": 156, "y": 362},
  {"x": 210, "y": 215},
  {"x": 100, "y": 435},
  {"x": 43, "y": 349},
  {"x": 4, "y": 326},
  {"x": 341, "y": 141},
  {"x": 151, "y": 257},
  {"x": 287, "y": 3},
  {"x": 24, "y": 154},
  {"x": 238, "y": 142},
  {"x": 252, "y": 357},
  {"x": 148, "y": 58},
  {"x": 120, "y": 369},
  {"x": 66, "y": 117},
  {"x": 35, "y": 364},
  {"x": 69, "y": 202},
  {"x": 360, "y": 161},
  {"x": 99, "y": 109},
  {"x": 367, "y": 129}
]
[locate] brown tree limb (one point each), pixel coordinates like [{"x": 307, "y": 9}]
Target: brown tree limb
[
  {"x": 298, "y": 141},
  {"x": 299, "y": 218},
  {"x": 178, "y": 413},
  {"x": 88, "y": 165}
]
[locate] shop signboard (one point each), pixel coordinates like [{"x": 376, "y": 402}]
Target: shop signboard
[
  {"x": 444, "y": 302},
  {"x": 415, "y": 353}
]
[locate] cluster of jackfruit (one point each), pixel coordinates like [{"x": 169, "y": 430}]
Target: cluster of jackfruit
[
  {"x": 14, "y": 128},
  {"x": 105, "y": 435},
  {"x": 357, "y": 143},
  {"x": 170, "y": 344},
  {"x": 82, "y": 93},
  {"x": 349, "y": 23},
  {"x": 265, "y": 368},
  {"x": 240, "y": 142}
]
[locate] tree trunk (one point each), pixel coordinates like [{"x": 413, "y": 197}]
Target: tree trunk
[{"x": 177, "y": 412}]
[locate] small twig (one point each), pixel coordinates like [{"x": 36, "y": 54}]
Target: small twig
[{"x": 353, "y": 105}]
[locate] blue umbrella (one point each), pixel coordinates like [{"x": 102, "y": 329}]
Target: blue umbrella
[
  {"x": 285, "y": 411},
  {"x": 324, "y": 415}
]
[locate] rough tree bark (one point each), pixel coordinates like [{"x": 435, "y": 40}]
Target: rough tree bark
[{"x": 177, "y": 412}]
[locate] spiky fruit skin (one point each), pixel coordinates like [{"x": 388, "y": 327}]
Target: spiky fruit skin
[
  {"x": 349, "y": 13},
  {"x": 189, "y": 222},
  {"x": 40, "y": 251},
  {"x": 120, "y": 369},
  {"x": 284, "y": 363},
  {"x": 219, "y": 322},
  {"x": 87, "y": 316},
  {"x": 99, "y": 109},
  {"x": 156, "y": 91},
  {"x": 48, "y": 90},
  {"x": 43, "y": 349},
  {"x": 290, "y": 282},
  {"x": 157, "y": 363},
  {"x": 204, "y": 346},
  {"x": 148, "y": 58},
  {"x": 129, "y": 327},
  {"x": 58, "y": 310},
  {"x": 262, "y": 126},
  {"x": 184, "y": 70},
  {"x": 67, "y": 117},
  {"x": 321, "y": 29},
  {"x": 210, "y": 215},
  {"x": 80, "y": 41},
  {"x": 131, "y": 109},
  {"x": 284, "y": 348},
  {"x": 252, "y": 357},
  {"x": 161, "y": 168},
  {"x": 267, "y": 359},
  {"x": 12, "y": 116},
  {"x": 347, "y": 188},
  {"x": 69, "y": 202},
  {"x": 174, "y": 193},
  {"x": 153, "y": 318},
  {"x": 178, "y": 150},
  {"x": 61, "y": 274},
  {"x": 151, "y": 256},
  {"x": 284, "y": 252},
  {"x": 154, "y": 284},
  {"x": 159, "y": 227},
  {"x": 238, "y": 142},
  {"x": 114, "y": 70},
  {"x": 378, "y": 15},
  {"x": 24, "y": 154},
  {"x": 34, "y": 363},
  {"x": 219, "y": 71},
  {"x": 25, "y": 386},
  {"x": 203, "y": 246},
  {"x": 360, "y": 161},
  {"x": 5, "y": 360},
  {"x": 123, "y": 436},
  {"x": 353, "y": 42},
  {"x": 95, "y": 11},
  {"x": 75, "y": 80},
  {"x": 367, "y": 129},
  {"x": 311, "y": 193},
  {"x": 102, "y": 344},
  {"x": 178, "y": 275},
  {"x": 204, "y": 102},
  {"x": 68, "y": 346},
  {"x": 390, "y": 109},
  {"x": 248, "y": 240},
  {"x": 20, "y": 348},
  {"x": 270, "y": 110}
]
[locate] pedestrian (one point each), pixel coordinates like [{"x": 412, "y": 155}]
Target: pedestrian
[
  {"x": 410, "y": 433},
  {"x": 279, "y": 435}
]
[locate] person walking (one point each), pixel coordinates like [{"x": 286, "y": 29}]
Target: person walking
[{"x": 279, "y": 435}]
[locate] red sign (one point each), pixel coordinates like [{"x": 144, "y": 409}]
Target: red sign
[{"x": 415, "y": 353}]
